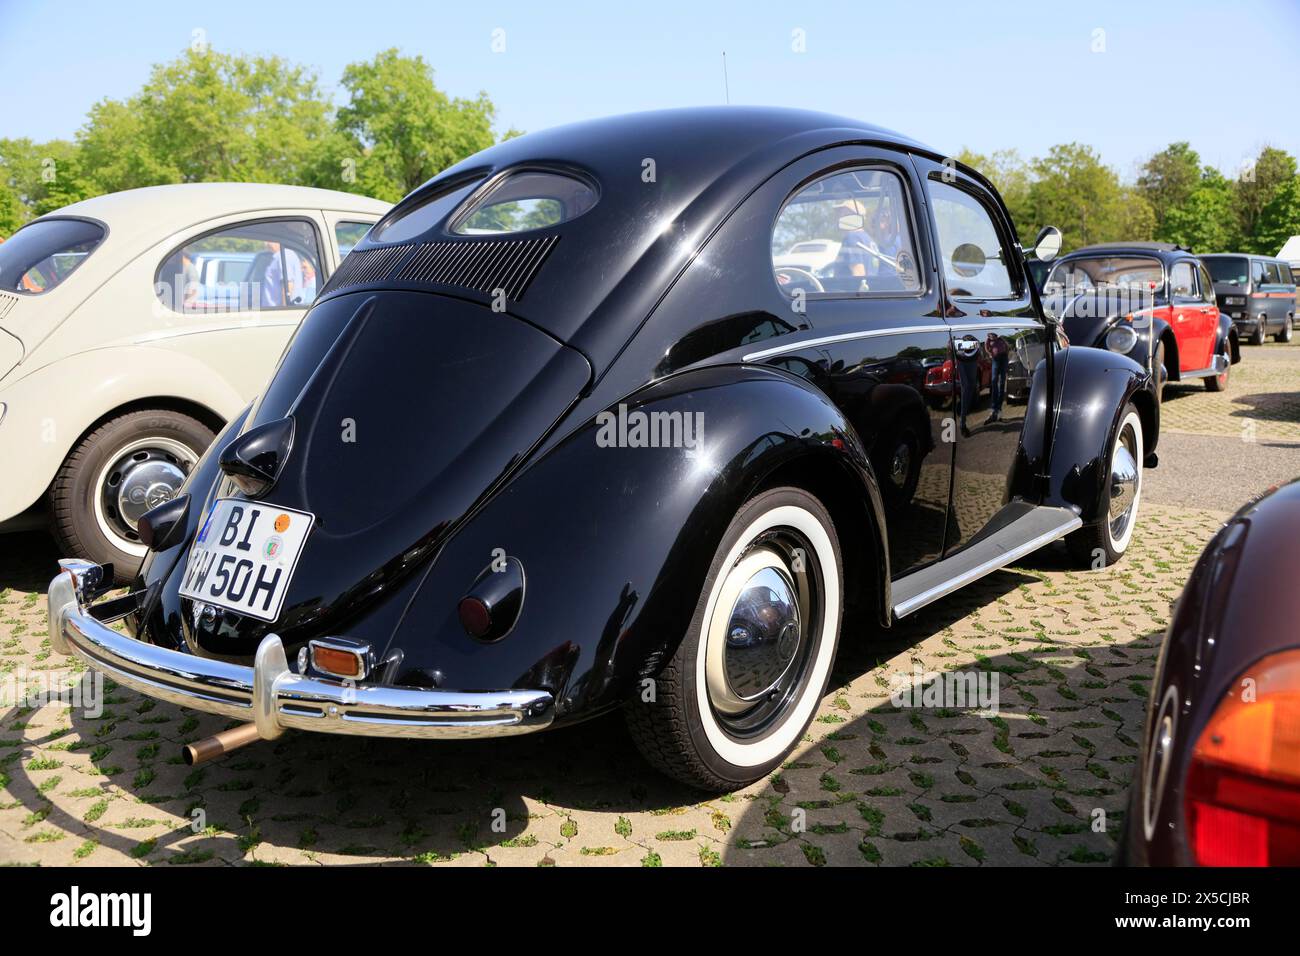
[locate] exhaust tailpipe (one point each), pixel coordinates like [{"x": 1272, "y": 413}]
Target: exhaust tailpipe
[{"x": 218, "y": 745}]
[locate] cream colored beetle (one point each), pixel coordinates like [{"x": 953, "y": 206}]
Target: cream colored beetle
[{"x": 132, "y": 327}]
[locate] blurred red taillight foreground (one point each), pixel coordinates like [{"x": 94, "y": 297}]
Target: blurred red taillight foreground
[{"x": 1243, "y": 786}]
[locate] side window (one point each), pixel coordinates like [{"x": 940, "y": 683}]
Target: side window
[
  {"x": 1182, "y": 284},
  {"x": 1287, "y": 277},
  {"x": 974, "y": 262},
  {"x": 846, "y": 234},
  {"x": 1207, "y": 286},
  {"x": 348, "y": 234},
  {"x": 250, "y": 267},
  {"x": 1258, "y": 274},
  {"x": 1274, "y": 273}
]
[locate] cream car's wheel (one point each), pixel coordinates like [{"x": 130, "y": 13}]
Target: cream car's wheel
[
  {"x": 746, "y": 679},
  {"x": 115, "y": 474},
  {"x": 1104, "y": 542}
]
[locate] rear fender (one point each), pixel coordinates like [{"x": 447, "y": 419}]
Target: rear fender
[{"x": 616, "y": 541}]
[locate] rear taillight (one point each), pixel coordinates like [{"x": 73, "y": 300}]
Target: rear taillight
[{"x": 1243, "y": 786}]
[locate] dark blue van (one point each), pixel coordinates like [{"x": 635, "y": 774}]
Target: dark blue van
[{"x": 1257, "y": 292}]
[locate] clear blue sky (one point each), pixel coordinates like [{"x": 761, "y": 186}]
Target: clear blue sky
[{"x": 985, "y": 75}]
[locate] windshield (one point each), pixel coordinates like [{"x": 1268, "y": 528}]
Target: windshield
[
  {"x": 1234, "y": 269},
  {"x": 1101, "y": 273},
  {"x": 42, "y": 254}
]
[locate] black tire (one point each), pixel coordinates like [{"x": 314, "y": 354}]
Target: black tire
[
  {"x": 1096, "y": 544},
  {"x": 1285, "y": 335},
  {"x": 1257, "y": 337},
  {"x": 1219, "y": 383},
  {"x": 81, "y": 482},
  {"x": 679, "y": 731}
]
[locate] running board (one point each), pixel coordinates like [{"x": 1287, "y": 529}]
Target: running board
[
  {"x": 1038, "y": 527},
  {"x": 1218, "y": 368}
]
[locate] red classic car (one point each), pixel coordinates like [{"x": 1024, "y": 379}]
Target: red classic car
[{"x": 1151, "y": 301}]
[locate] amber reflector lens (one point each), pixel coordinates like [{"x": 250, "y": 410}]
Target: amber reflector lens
[
  {"x": 332, "y": 661},
  {"x": 1243, "y": 787}
]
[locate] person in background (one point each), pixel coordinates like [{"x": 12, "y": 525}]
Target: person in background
[
  {"x": 854, "y": 258},
  {"x": 998, "y": 351}
]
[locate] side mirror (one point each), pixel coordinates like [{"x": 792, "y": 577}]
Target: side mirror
[
  {"x": 1048, "y": 244},
  {"x": 968, "y": 260}
]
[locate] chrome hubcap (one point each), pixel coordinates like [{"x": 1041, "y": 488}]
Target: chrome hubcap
[
  {"x": 146, "y": 485},
  {"x": 1123, "y": 482},
  {"x": 762, "y": 635},
  {"x": 900, "y": 466},
  {"x": 142, "y": 475},
  {"x": 759, "y": 632}
]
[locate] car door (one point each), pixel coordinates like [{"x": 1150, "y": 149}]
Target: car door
[
  {"x": 879, "y": 347},
  {"x": 233, "y": 294},
  {"x": 998, "y": 339},
  {"x": 1209, "y": 309},
  {"x": 1194, "y": 346},
  {"x": 1279, "y": 297},
  {"x": 1257, "y": 300}
]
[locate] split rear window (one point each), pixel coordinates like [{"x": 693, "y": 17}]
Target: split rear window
[{"x": 42, "y": 254}]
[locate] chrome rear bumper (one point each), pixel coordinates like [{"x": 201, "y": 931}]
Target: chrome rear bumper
[{"x": 271, "y": 694}]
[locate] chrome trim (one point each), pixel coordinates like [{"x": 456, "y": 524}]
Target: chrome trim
[
  {"x": 900, "y": 330},
  {"x": 988, "y": 567},
  {"x": 273, "y": 696},
  {"x": 1218, "y": 368},
  {"x": 358, "y": 649}
]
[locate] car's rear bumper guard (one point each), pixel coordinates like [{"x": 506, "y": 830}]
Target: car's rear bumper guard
[{"x": 271, "y": 694}]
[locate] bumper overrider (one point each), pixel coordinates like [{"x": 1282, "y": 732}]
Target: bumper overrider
[{"x": 270, "y": 694}]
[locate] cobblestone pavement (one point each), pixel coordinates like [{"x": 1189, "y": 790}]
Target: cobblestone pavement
[
  {"x": 872, "y": 783},
  {"x": 1262, "y": 401}
]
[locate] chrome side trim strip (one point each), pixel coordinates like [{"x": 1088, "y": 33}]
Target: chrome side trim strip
[
  {"x": 904, "y": 608},
  {"x": 1218, "y": 368},
  {"x": 900, "y": 330}
]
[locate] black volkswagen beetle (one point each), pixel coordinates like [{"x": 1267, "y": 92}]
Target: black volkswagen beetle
[{"x": 569, "y": 432}]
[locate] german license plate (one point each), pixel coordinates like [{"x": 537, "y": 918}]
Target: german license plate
[{"x": 244, "y": 556}]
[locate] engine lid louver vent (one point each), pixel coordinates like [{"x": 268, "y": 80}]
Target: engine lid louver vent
[{"x": 482, "y": 265}]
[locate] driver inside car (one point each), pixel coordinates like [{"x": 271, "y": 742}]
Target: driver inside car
[{"x": 856, "y": 248}]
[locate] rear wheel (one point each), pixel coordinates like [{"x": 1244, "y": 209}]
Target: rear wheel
[
  {"x": 745, "y": 681},
  {"x": 1104, "y": 541},
  {"x": 119, "y": 471},
  {"x": 1285, "y": 334},
  {"x": 1217, "y": 383}
]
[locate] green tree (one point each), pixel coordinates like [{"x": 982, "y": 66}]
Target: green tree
[
  {"x": 1073, "y": 190},
  {"x": 1279, "y": 220},
  {"x": 203, "y": 117},
  {"x": 1257, "y": 187},
  {"x": 12, "y": 213},
  {"x": 401, "y": 128},
  {"x": 1204, "y": 220},
  {"x": 39, "y": 174},
  {"x": 1168, "y": 179}
]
